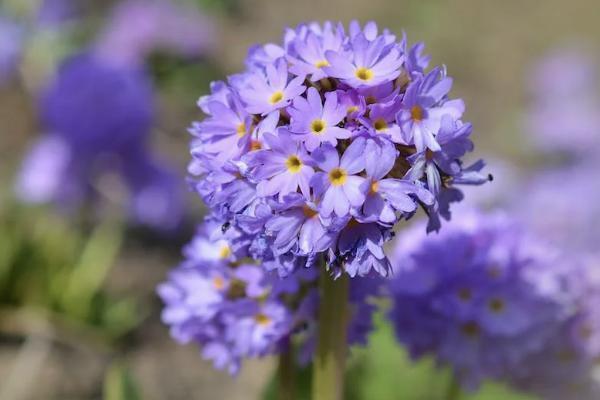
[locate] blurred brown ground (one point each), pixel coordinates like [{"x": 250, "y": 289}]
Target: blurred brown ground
[{"x": 488, "y": 47}]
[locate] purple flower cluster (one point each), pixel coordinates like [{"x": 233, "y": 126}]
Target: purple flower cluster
[
  {"x": 565, "y": 91},
  {"x": 482, "y": 297},
  {"x": 235, "y": 309},
  {"x": 567, "y": 366},
  {"x": 324, "y": 143},
  {"x": 99, "y": 118}
]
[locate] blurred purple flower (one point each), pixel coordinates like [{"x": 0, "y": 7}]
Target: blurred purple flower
[
  {"x": 53, "y": 13},
  {"x": 138, "y": 27},
  {"x": 12, "y": 36},
  {"x": 562, "y": 206},
  {"x": 482, "y": 296},
  {"x": 563, "y": 115},
  {"x": 99, "y": 119}
]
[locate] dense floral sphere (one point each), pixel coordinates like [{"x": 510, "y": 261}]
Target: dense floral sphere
[
  {"x": 327, "y": 141},
  {"x": 228, "y": 304},
  {"x": 483, "y": 297}
]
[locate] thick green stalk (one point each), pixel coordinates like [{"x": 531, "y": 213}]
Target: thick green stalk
[
  {"x": 330, "y": 357},
  {"x": 286, "y": 375},
  {"x": 453, "y": 391}
]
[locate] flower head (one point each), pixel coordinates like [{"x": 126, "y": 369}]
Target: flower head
[
  {"x": 482, "y": 297},
  {"x": 327, "y": 130},
  {"x": 235, "y": 309}
]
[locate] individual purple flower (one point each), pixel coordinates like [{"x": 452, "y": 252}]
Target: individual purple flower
[
  {"x": 360, "y": 250},
  {"x": 339, "y": 182},
  {"x": 454, "y": 143},
  {"x": 423, "y": 107},
  {"x": 281, "y": 169},
  {"x": 310, "y": 50},
  {"x": 298, "y": 226},
  {"x": 481, "y": 297},
  {"x": 382, "y": 121},
  {"x": 385, "y": 196},
  {"x": 270, "y": 90},
  {"x": 315, "y": 122},
  {"x": 369, "y": 63}
]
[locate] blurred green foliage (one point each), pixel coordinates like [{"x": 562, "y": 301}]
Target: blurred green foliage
[{"x": 51, "y": 269}]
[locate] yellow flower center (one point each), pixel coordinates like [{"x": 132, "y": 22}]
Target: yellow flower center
[
  {"x": 276, "y": 97},
  {"x": 219, "y": 283},
  {"x": 364, "y": 74},
  {"x": 464, "y": 294},
  {"x": 352, "y": 109},
  {"x": 224, "y": 251},
  {"x": 496, "y": 305},
  {"x": 337, "y": 176},
  {"x": 470, "y": 329},
  {"x": 241, "y": 129},
  {"x": 255, "y": 145},
  {"x": 380, "y": 125},
  {"x": 322, "y": 63},
  {"x": 293, "y": 164},
  {"x": 374, "y": 188},
  {"x": 317, "y": 127},
  {"x": 262, "y": 319},
  {"x": 416, "y": 113}
]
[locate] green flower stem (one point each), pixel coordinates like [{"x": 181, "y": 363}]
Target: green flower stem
[
  {"x": 286, "y": 374},
  {"x": 453, "y": 392},
  {"x": 330, "y": 357}
]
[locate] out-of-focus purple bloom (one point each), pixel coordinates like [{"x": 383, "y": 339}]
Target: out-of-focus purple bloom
[
  {"x": 53, "y": 13},
  {"x": 482, "y": 297},
  {"x": 567, "y": 366},
  {"x": 45, "y": 170},
  {"x": 138, "y": 27},
  {"x": 97, "y": 107},
  {"x": 99, "y": 117},
  {"x": 563, "y": 115},
  {"x": 562, "y": 205},
  {"x": 350, "y": 117},
  {"x": 11, "y": 42}
]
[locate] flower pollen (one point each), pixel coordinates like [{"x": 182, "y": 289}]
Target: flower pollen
[
  {"x": 276, "y": 97},
  {"x": 364, "y": 74},
  {"x": 293, "y": 164},
  {"x": 337, "y": 176}
]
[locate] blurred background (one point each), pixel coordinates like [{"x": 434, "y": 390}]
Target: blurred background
[{"x": 95, "y": 100}]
